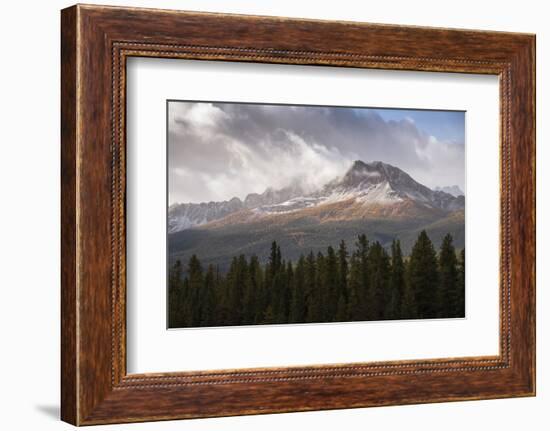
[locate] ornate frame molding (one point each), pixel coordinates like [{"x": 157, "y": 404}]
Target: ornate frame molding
[{"x": 96, "y": 41}]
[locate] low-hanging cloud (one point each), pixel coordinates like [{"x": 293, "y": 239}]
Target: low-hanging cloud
[{"x": 222, "y": 150}]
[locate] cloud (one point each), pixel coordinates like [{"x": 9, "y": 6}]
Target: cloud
[{"x": 221, "y": 150}]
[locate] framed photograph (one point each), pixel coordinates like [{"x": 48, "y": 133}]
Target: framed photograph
[
  {"x": 274, "y": 217},
  {"x": 263, "y": 214}
]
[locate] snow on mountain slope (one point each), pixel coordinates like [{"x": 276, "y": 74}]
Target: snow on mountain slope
[
  {"x": 185, "y": 216},
  {"x": 373, "y": 189}
]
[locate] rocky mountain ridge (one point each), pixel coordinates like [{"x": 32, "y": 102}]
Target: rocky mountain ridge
[{"x": 366, "y": 190}]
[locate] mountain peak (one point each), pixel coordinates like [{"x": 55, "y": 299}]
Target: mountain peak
[
  {"x": 369, "y": 185},
  {"x": 372, "y": 172},
  {"x": 375, "y": 164},
  {"x": 365, "y": 178},
  {"x": 358, "y": 164}
]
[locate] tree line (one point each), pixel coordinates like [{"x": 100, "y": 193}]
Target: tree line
[{"x": 368, "y": 283}]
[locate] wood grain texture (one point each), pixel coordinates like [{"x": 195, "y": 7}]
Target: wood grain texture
[
  {"x": 69, "y": 397},
  {"x": 96, "y": 41}
]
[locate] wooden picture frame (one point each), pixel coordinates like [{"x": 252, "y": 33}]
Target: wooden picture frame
[{"x": 95, "y": 43}]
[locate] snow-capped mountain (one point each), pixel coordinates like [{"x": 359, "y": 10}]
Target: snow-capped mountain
[
  {"x": 366, "y": 190},
  {"x": 452, "y": 190},
  {"x": 383, "y": 184},
  {"x": 187, "y": 215}
]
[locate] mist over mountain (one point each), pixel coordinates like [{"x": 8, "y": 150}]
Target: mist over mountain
[
  {"x": 452, "y": 190},
  {"x": 221, "y": 150},
  {"x": 374, "y": 198}
]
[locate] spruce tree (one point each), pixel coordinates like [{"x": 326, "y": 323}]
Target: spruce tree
[
  {"x": 448, "y": 278},
  {"x": 235, "y": 281},
  {"x": 278, "y": 287},
  {"x": 312, "y": 292},
  {"x": 286, "y": 293},
  {"x": 460, "y": 310},
  {"x": 251, "y": 291},
  {"x": 175, "y": 296},
  {"x": 423, "y": 277},
  {"x": 368, "y": 285},
  {"x": 355, "y": 304},
  {"x": 188, "y": 303},
  {"x": 194, "y": 296},
  {"x": 343, "y": 270},
  {"x": 408, "y": 301},
  {"x": 297, "y": 305},
  {"x": 276, "y": 284},
  {"x": 379, "y": 270},
  {"x": 275, "y": 258},
  {"x": 397, "y": 282},
  {"x": 264, "y": 281},
  {"x": 208, "y": 300},
  {"x": 331, "y": 285},
  {"x": 224, "y": 291},
  {"x": 363, "y": 246},
  {"x": 321, "y": 289}
]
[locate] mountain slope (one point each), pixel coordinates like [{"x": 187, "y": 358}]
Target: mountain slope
[
  {"x": 218, "y": 243},
  {"x": 367, "y": 189},
  {"x": 375, "y": 198},
  {"x": 187, "y": 215}
]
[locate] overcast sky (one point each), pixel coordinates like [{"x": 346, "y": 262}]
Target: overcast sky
[{"x": 217, "y": 151}]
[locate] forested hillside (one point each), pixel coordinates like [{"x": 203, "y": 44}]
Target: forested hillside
[{"x": 363, "y": 283}]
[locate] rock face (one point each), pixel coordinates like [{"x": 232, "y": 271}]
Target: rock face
[{"x": 367, "y": 188}]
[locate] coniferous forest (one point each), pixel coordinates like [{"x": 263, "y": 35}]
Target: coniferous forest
[{"x": 358, "y": 283}]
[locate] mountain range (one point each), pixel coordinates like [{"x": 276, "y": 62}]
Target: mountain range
[{"x": 374, "y": 198}]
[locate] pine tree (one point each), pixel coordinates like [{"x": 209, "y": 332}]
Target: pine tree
[
  {"x": 423, "y": 277},
  {"x": 363, "y": 246},
  {"x": 331, "y": 285},
  {"x": 320, "y": 288},
  {"x": 312, "y": 291},
  {"x": 460, "y": 310},
  {"x": 194, "y": 308},
  {"x": 378, "y": 263},
  {"x": 368, "y": 285},
  {"x": 187, "y": 315},
  {"x": 297, "y": 306},
  {"x": 276, "y": 285},
  {"x": 448, "y": 278},
  {"x": 343, "y": 270},
  {"x": 263, "y": 280},
  {"x": 208, "y": 300},
  {"x": 235, "y": 282},
  {"x": 286, "y": 292},
  {"x": 175, "y": 296},
  {"x": 219, "y": 292},
  {"x": 224, "y": 291},
  {"x": 408, "y": 302},
  {"x": 397, "y": 282},
  {"x": 277, "y": 294},
  {"x": 251, "y": 291},
  {"x": 275, "y": 259},
  {"x": 355, "y": 305}
]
